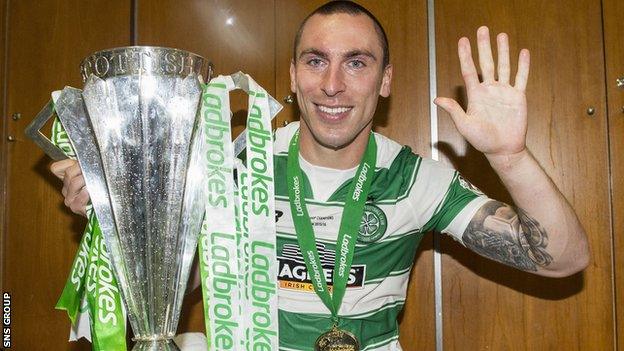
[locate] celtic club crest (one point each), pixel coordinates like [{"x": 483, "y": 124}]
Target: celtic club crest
[{"x": 374, "y": 224}]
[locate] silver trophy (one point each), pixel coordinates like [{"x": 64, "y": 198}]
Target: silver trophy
[{"x": 134, "y": 128}]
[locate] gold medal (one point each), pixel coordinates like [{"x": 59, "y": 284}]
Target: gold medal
[{"x": 337, "y": 340}]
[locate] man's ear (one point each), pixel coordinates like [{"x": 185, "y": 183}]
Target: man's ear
[
  {"x": 386, "y": 81},
  {"x": 293, "y": 77}
]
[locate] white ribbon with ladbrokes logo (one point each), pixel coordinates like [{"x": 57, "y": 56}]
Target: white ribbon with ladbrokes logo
[{"x": 237, "y": 246}]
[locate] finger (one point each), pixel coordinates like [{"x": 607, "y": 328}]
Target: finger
[
  {"x": 70, "y": 200},
  {"x": 71, "y": 173},
  {"x": 58, "y": 168},
  {"x": 75, "y": 186},
  {"x": 83, "y": 197},
  {"x": 79, "y": 205},
  {"x": 66, "y": 185},
  {"x": 486, "y": 62},
  {"x": 74, "y": 170},
  {"x": 78, "y": 208},
  {"x": 451, "y": 107},
  {"x": 502, "y": 49},
  {"x": 468, "y": 69},
  {"x": 524, "y": 61}
]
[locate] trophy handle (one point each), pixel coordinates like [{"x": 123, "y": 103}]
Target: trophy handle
[{"x": 34, "y": 133}]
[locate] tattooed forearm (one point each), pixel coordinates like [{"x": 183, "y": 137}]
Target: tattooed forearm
[{"x": 507, "y": 236}]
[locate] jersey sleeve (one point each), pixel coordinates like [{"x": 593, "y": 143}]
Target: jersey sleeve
[{"x": 445, "y": 201}]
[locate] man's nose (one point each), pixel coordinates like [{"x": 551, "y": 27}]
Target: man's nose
[{"x": 333, "y": 81}]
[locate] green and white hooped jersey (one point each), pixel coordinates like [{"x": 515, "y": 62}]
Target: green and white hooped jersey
[{"x": 409, "y": 196}]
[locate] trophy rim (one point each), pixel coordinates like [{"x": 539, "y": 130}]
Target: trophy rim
[
  {"x": 88, "y": 65},
  {"x": 119, "y": 48}
]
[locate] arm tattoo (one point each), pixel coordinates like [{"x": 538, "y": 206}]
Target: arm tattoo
[{"x": 507, "y": 236}]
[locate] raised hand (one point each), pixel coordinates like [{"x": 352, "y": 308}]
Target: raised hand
[
  {"x": 74, "y": 191},
  {"x": 495, "y": 121}
]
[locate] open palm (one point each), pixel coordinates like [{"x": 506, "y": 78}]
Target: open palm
[{"x": 495, "y": 121}]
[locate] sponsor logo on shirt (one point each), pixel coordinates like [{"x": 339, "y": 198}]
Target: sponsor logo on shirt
[{"x": 293, "y": 274}]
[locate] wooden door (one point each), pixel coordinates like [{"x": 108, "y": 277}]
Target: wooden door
[
  {"x": 235, "y": 36},
  {"x": 403, "y": 117},
  {"x": 613, "y": 14},
  {"x": 491, "y": 307},
  {"x": 47, "y": 39}
]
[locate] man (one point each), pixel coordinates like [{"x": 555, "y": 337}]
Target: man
[{"x": 339, "y": 69}]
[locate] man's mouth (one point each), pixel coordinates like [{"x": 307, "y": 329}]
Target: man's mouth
[{"x": 334, "y": 110}]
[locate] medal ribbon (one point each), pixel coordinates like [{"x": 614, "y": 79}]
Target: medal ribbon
[{"x": 349, "y": 225}]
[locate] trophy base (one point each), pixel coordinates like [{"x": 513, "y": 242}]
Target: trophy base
[{"x": 156, "y": 345}]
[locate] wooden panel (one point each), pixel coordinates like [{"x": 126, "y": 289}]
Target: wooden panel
[
  {"x": 235, "y": 36},
  {"x": 403, "y": 117},
  {"x": 491, "y": 307},
  {"x": 46, "y": 42},
  {"x": 613, "y": 12}
]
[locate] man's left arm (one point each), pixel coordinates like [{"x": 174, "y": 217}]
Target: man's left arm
[{"x": 542, "y": 234}]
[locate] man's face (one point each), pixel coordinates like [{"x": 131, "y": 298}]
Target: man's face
[{"x": 338, "y": 77}]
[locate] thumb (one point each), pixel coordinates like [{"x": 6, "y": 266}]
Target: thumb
[{"x": 451, "y": 107}]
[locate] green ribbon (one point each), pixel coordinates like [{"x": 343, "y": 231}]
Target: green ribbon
[
  {"x": 92, "y": 274},
  {"x": 349, "y": 225},
  {"x": 74, "y": 287},
  {"x": 108, "y": 329}
]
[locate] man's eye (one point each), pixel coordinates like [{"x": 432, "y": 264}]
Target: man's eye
[
  {"x": 357, "y": 64},
  {"x": 315, "y": 62}
]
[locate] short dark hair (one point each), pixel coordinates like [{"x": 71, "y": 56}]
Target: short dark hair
[{"x": 351, "y": 8}]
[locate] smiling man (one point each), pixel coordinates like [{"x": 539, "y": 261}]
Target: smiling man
[
  {"x": 353, "y": 205},
  {"x": 339, "y": 69}
]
